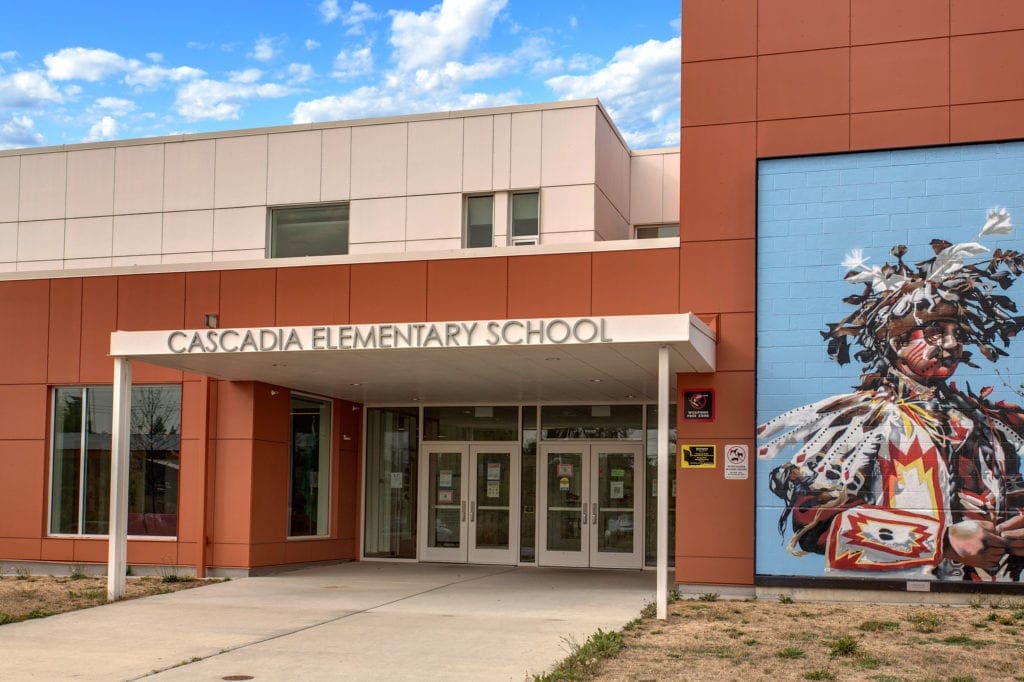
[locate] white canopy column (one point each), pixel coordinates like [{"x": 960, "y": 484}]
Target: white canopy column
[
  {"x": 120, "y": 444},
  {"x": 663, "y": 473}
]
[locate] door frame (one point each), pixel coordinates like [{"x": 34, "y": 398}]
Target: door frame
[
  {"x": 634, "y": 559},
  {"x": 466, "y": 552},
  {"x": 509, "y": 556},
  {"x": 424, "y": 551},
  {"x": 588, "y": 556}
]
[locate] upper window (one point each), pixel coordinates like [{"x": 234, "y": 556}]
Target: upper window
[
  {"x": 655, "y": 231},
  {"x": 479, "y": 221},
  {"x": 80, "y": 488},
  {"x": 525, "y": 219},
  {"x": 309, "y": 231}
]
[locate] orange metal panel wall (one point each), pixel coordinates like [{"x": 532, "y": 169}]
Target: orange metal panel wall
[
  {"x": 57, "y": 332},
  {"x": 763, "y": 78}
]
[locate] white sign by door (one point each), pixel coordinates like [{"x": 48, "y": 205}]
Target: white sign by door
[{"x": 737, "y": 462}]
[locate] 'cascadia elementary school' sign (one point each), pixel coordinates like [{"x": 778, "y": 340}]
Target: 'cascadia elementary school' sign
[{"x": 377, "y": 336}]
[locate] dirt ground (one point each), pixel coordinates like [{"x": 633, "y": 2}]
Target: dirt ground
[
  {"x": 758, "y": 640},
  {"x": 34, "y": 596}
]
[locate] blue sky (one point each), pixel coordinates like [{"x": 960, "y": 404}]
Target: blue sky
[{"x": 86, "y": 71}]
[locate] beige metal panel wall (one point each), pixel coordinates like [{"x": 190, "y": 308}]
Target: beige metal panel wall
[
  {"x": 293, "y": 167},
  {"x": 566, "y": 211},
  {"x": 373, "y": 221},
  {"x": 336, "y": 165},
  {"x": 88, "y": 238},
  {"x": 567, "y": 146},
  {"x": 609, "y": 224},
  {"x": 240, "y": 172},
  {"x": 138, "y": 234},
  {"x": 526, "y": 149},
  {"x": 90, "y": 188},
  {"x": 647, "y": 177},
  {"x": 139, "y": 179},
  {"x": 202, "y": 200},
  {"x": 435, "y": 157},
  {"x": 10, "y": 182},
  {"x": 613, "y": 166},
  {"x": 379, "y": 160},
  {"x": 434, "y": 216},
  {"x": 502, "y": 173},
  {"x": 189, "y": 175},
  {"x": 478, "y": 154},
  {"x": 670, "y": 189},
  {"x": 42, "y": 187}
]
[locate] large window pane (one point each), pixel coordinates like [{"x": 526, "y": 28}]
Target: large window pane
[
  {"x": 528, "y": 497},
  {"x": 67, "y": 455},
  {"x": 651, "y": 515},
  {"x": 80, "y": 497},
  {"x": 480, "y": 422},
  {"x": 392, "y": 437},
  {"x": 96, "y": 503},
  {"x": 309, "y": 231},
  {"x": 155, "y": 461},
  {"x": 480, "y": 221},
  {"x": 619, "y": 422},
  {"x": 310, "y": 471}
]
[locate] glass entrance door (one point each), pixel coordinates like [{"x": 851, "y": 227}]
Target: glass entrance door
[
  {"x": 591, "y": 496},
  {"x": 470, "y": 508}
]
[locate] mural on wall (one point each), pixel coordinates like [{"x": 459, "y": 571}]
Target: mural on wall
[{"x": 916, "y": 473}]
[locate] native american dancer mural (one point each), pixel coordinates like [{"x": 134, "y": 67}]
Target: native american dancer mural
[{"x": 911, "y": 475}]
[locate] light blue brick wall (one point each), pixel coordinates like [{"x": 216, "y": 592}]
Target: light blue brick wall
[{"x": 812, "y": 211}]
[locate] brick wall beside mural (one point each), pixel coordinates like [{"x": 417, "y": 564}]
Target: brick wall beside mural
[{"x": 889, "y": 435}]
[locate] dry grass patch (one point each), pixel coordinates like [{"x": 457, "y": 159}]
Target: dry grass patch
[
  {"x": 23, "y": 597},
  {"x": 761, "y": 640}
]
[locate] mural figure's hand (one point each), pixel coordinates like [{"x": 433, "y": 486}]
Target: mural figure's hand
[
  {"x": 975, "y": 543},
  {"x": 1012, "y": 531}
]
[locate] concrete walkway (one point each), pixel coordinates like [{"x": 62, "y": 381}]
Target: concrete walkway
[{"x": 352, "y": 621}]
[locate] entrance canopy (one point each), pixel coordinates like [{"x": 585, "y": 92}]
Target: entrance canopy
[{"x": 520, "y": 360}]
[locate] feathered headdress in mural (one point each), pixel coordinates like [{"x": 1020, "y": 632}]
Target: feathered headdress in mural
[{"x": 897, "y": 295}]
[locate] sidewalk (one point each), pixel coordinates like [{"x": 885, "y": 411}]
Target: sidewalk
[{"x": 351, "y": 621}]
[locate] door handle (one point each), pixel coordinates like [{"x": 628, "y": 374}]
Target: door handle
[
  {"x": 584, "y": 513},
  {"x": 463, "y": 510},
  {"x": 472, "y": 510},
  {"x": 594, "y": 508}
]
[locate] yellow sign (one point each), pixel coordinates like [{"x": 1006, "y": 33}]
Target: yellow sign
[{"x": 697, "y": 456}]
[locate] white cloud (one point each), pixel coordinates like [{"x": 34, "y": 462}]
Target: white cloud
[
  {"x": 300, "y": 73},
  {"x": 573, "y": 22},
  {"x": 263, "y": 50},
  {"x": 350, "y": 64},
  {"x": 311, "y": 44},
  {"x": 24, "y": 89},
  {"x": 20, "y": 131},
  {"x": 204, "y": 99},
  {"x": 455, "y": 74},
  {"x": 380, "y": 101},
  {"x": 329, "y": 10},
  {"x": 357, "y": 15},
  {"x": 247, "y": 76},
  {"x": 155, "y": 56},
  {"x": 639, "y": 86},
  {"x": 104, "y": 129},
  {"x": 577, "y": 62},
  {"x": 151, "y": 76},
  {"x": 115, "y": 105},
  {"x": 79, "y": 63},
  {"x": 441, "y": 33},
  {"x": 8, "y": 55},
  {"x": 677, "y": 23}
]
